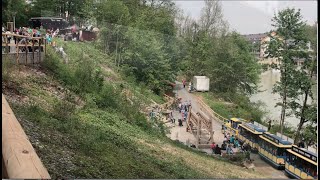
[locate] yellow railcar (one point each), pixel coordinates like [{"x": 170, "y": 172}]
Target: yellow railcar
[
  {"x": 273, "y": 149},
  {"x": 249, "y": 133},
  {"x": 301, "y": 163},
  {"x": 232, "y": 125}
]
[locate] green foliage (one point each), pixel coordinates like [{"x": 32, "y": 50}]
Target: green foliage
[
  {"x": 65, "y": 108},
  {"x": 239, "y": 107},
  {"x": 7, "y": 67},
  {"x": 287, "y": 130},
  {"x": 17, "y": 8},
  {"x": 289, "y": 44},
  {"x": 235, "y": 70},
  {"x": 145, "y": 59},
  {"x": 84, "y": 78},
  {"x": 115, "y": 12},
  {"x": 265, "y": 67}
]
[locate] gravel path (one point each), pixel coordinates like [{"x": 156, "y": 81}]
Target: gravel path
[{"x": 180, "y": 133}]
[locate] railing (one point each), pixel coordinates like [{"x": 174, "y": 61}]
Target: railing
[
  {"x": 19, "y": 159},
  {"x": 209, "y": 110},
  {"x": 34, "y": 45}
]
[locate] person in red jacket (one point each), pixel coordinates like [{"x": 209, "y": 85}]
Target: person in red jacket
[
  {"x": 184, "y": 83},
  {"x": 213, "y": 146}
]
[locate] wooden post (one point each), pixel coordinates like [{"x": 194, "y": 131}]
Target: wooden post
[
  {"x": 17, "y": 51},
  {"x": 39, "y": 52},
  {"x": 198, "y": 132},
  {"x": 45, "y": 46},
  {"x": 211, "y": 132},
  {"x": 32, "y": 51},
  {"x": 19, "y": 158},
  {"x": 26, "y": 51},
  {"x": 6, "y": 40}
]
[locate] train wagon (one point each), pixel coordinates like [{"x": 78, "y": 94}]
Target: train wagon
[
  {"x": 232, "y": 126},
  {"x": 250, "y": 133},
  {"x": 273, "y": 149},
  {"x": 301, "y": 163}
]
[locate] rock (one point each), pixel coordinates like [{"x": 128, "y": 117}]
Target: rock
[{"x": 248, "y": 165}]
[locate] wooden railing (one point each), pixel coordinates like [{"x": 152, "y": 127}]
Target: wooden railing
[
  {"x": 19, "y": 159},
  {"x": 31, "y": 45},
  {"x": 205, "y": 107}
]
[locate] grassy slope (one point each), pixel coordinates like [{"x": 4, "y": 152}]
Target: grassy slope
[
  {"x": 224, "y": 108},
  {"x": 96, "y": 143}
]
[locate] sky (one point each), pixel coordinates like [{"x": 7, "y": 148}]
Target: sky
[{"x": 250, "y": 17}]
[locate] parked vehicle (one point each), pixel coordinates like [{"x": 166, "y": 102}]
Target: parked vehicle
[
  {"x": 48, "y": 22},
  {"x": 200, "y": 83}
]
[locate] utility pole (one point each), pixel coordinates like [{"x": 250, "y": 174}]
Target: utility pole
[{"x": 14, "y": 20}]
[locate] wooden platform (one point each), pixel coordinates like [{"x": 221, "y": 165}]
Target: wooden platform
[{"x": 19, "y": 159}]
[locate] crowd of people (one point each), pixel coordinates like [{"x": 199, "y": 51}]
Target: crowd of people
[
  {"x": 184, "y": 108},
  {"x": 28, "y": 33},
  {"x": 229, "y": 144}
]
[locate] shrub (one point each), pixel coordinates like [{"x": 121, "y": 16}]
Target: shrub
[
  {"x": 7, "y": 67},
  {"x": 63, "y": 109}
]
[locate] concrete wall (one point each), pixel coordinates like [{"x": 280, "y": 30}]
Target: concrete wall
[{"x": 22, "y": 57}]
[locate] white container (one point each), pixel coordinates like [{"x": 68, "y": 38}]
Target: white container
[{"x": 201, "y": 83}]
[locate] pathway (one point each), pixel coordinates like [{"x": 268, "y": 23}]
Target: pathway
[{"x": 179, "y": 133}]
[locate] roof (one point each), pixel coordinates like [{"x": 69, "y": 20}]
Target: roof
[
  {"x": 304, "y": 154},
  {"x": 306, "y": 150},
  {"x": 255, "y": 127},
  {"x": 281, "y": 141},
  {"x": 255, "y": 36},
  {"x": 236, "y": 119}
]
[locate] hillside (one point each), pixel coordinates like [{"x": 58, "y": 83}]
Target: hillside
[{"x": 86, "y": 120}]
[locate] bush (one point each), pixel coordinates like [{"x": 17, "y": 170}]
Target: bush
[
  {"x": 64, "y": 109},
  {"x": 265, "y": 67},
  {"x": 84, "y": 78},
  {"x": 240, "y": 106},
  {"x": 238, "y": 157},
  {"x": 7, "y": 67},
  {"x": 107, "y": 97}
]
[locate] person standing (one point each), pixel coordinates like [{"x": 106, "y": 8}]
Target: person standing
[
  {"x": 224, "y": 146},
  {"x": 182, "y": 113},
  {"x": 185, "y": 115},
  {"x": 217, "y": 150},
  {"x": 232, "y": 139},
  {"x": 186, "y": 106},
  {"x": 229, "y": 149},
  {"x": 184, "y": 83},
  {"x": 301, "y": 144},
  {"x": 213, "y": 146},
  {"x": 180, "y": 105},
  {"x": 269, "y": 125}
]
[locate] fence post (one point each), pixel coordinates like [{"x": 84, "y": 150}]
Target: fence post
[
  {"x": 39, "y": 51},
  {"x": 6, "y": 40},
  {"x": 17, "y": 50},
  {"x": 45, "y": 46},
  {"x": 26, "y": 51},
  {"x": 32, "y": 51}
]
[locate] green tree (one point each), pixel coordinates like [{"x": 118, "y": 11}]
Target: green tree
[
  {"x": 145, "y": 59},
  {"x": 234, "y": 70},
  {"x": 114, "y": 12},
  {"x": 17, "y": 8},
  {"x": 289, "y": 44}
]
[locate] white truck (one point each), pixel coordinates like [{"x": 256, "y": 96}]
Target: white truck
[{"x": 200, "y": 83}]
